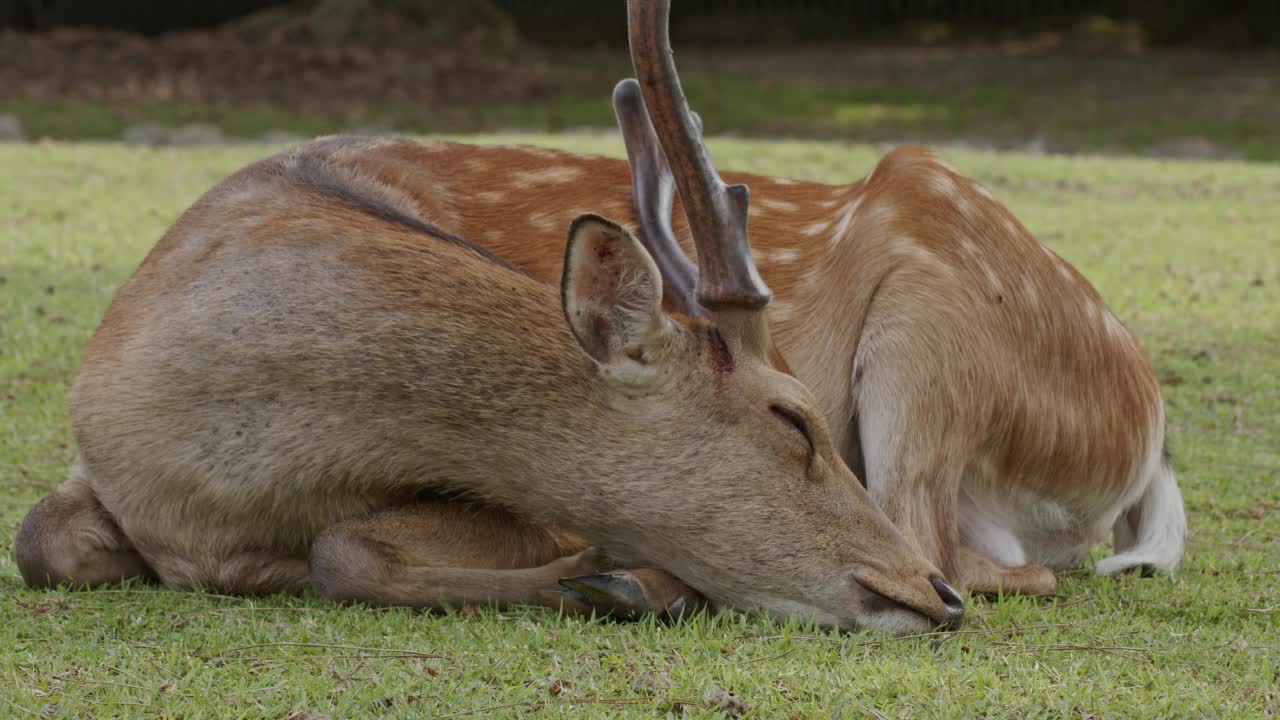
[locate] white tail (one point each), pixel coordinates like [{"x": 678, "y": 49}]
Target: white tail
[{"x": 1152, "y": 535}]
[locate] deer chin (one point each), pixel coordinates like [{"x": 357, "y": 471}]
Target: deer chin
[
  {"x": 879, "y": 617},
  {"x": 895, "y": 621}
]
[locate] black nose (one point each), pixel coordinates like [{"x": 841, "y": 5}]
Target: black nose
[{"x": 950, "y": 598}]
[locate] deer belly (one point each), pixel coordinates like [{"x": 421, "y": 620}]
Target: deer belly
[{"x": 1024, "y": 527}]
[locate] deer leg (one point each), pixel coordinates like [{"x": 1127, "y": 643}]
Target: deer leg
[
  {"x": 915, "y": 488},
  {"x": 437, "y": 554},
  {"x": 919, "y": 489},
  {"x": 978, "y": 573},
  {"x": 912, "y": 472},
  {"x": 629, "y": 594},
  {"x": 68, "y": 538},
  {"x": 991, "y": 559}
]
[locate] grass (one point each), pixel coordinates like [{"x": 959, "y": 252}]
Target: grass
[{"x": 1187, "y": 253}]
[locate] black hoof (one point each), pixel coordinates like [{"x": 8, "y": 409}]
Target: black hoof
[{"x": 617, "y": 594}]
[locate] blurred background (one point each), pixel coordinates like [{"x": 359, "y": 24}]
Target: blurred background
[{"x": 1177, "y": 78}]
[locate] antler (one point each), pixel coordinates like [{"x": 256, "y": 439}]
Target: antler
[
  {"x": 717, "y": 212},
  {"x": 654, "y": 190}
]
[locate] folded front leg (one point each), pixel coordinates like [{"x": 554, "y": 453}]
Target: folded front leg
[
  {"x": 440, "y": 554},
  {"x": 630, "y": 594}
]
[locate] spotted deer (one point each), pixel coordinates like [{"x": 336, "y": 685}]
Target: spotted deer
[
  {"x": 314, "y": 379},
  {"x": 976, "y": 383}
]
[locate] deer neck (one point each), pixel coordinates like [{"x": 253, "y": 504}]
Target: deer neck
[{"x": 824, "y": 275}]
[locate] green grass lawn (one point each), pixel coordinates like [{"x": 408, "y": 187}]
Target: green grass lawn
[{"x": 1188, "y": 254}]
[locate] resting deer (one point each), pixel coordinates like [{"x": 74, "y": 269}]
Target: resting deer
[
  {"x": 311, "y": 381},
  {"x": 993, "y": 405}
]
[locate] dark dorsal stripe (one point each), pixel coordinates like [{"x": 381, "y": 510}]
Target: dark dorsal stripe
[{"x": 313, "y": 173}]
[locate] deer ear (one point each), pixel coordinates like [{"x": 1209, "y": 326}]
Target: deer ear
[{"x": 611, "y": 292}]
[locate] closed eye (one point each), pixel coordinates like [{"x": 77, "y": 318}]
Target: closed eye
[{"x": 796, "y": 421}]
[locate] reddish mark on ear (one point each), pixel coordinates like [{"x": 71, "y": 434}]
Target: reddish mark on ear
[
  {"x": 721, "y": 358},
  {"x": 604, "y": 251},
  {"x": 600, "y": 326}
]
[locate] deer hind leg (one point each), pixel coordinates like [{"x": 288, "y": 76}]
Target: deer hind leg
[
  {"x": 69, "y": 539},
  {"x": 991, "y": 559},
  {"x": 436, "y": 554},
  {"x": 978, "y": 573}
]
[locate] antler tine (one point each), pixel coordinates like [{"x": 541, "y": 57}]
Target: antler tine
[
  {"x": 654, "y": 190},
  {"x": 717, "y": 213}
]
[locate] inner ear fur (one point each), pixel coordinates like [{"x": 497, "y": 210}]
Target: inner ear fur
[{"x": 611, "y": 293}]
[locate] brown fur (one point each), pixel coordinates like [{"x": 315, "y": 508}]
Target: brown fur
[
  {"x": 314, "y": 379},
  {"x": 1001, "y": 371}
]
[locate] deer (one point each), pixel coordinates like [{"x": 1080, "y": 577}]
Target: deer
[
  {"x": 975, "y": 382},
  {"x": 315, "y": 379}
]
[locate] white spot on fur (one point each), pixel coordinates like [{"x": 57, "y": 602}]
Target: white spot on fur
[
  {"x": 992, "y": 279},
  {"x": 827, "y": 204},
  {"x": 782, "y": 256},
  {"x": 1063, "y": 270},
  {"x": 968, "y": 247},
  {"x": 491, "y": 196},
  {"x": 783, "y": 181},
  {"x": 943, "y": 184},
  {"x": 982, "y": 190},
  {"x": 909, "y": 247},
  {"x": 477, "y": 165},
  {"x": 816, "y": 229},
  {"x": 542, "y": 221},
  {"x": 1029, "y": 291},
  {"x": 846, "y": 219},
  {"x": 554, "y": 175},
  {"x": 780, "y": 205},
  {"x": 877, "y": 216},
  {"x": 494, "y": 235}
]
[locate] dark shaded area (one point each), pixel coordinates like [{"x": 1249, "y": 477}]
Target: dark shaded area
[
  {"x": 144, "y": 16},
  {"x": 752, "y": 67},
  {"x": 1239, "y": 25}
]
